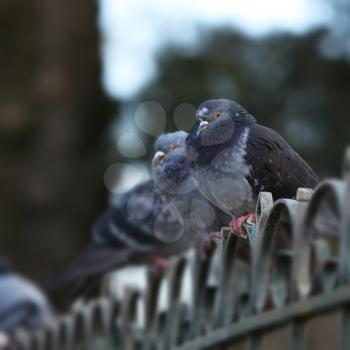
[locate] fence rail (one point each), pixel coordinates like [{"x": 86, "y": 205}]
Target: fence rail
[{"x": 298, "y": 267}]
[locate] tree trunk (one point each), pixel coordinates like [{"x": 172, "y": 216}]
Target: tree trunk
[{"x": 53, "y": 116}]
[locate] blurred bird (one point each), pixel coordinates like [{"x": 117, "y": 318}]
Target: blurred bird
[
  {"x": 22, "y": 304},
  {"x": 170, "y": 171},
  {"x": 140, "y": 227},
  {"x": 137, "y": 229},
  {"x": 232, "y": 158}
]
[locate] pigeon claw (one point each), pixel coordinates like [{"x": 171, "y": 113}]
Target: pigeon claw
[
  {"x": 210, "y": 243},
  {"x": 237, "y": 225},
  {"x": 160, "y": 263}
]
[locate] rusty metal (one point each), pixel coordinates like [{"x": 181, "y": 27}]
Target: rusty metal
[{"x": 299, "y": 267}]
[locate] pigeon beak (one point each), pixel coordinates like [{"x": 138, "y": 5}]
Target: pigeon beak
[
  {"x": 158, "y": 157},
  {"x": 202, "y": 126}
]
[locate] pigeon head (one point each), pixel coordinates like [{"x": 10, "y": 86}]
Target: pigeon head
[
  {"x": 217, "y": 121},
  {"x": 216, "y": 111},
  {"x": 170, "y": 166},
  {"x": 168, "y": 147}
]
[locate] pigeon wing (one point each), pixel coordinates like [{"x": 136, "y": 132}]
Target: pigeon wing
[
  {"x": 275, "y": 166},
  {"x": 129, "y": 222}
]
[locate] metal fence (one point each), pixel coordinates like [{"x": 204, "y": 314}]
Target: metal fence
[{"x": 297, "y": 267}]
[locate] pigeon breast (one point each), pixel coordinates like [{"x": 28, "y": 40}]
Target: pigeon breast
[{"x": 223, "y": 180}]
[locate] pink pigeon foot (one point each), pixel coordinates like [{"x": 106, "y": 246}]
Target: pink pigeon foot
[
  {"x": 236, "y": 225},
  {"x": 160, "y": 263},
  {"x": 209, "y": 244}
]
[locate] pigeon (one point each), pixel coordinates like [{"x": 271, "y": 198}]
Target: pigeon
[
  {"x": 232, "y": 158},
  {"x": 22, "y": 304},
  {"x": 138, "y": 228},
  {"x": 171, "y": 173}
]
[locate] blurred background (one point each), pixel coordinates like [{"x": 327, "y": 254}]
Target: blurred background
[{"x": 86, "y": 86}]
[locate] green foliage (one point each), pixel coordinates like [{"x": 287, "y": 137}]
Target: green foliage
[{"x": 283, "y": 80}]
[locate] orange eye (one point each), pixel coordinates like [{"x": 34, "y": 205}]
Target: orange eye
[
  {"x": 217, "y": 115},
  {"x": 173, "y": 147}
]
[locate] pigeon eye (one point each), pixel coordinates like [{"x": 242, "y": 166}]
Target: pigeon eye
[
  {"x": 173, "y": 147},
  {"x": 218, "y": 115}
]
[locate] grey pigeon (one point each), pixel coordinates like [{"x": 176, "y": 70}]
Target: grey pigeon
[
  {"x": 170, "y": 171},
  {"x": 22, "y": 304},
  {"x": 232, "y": 158},
  {"x": 137, "y": 229},
  {"x": 143, "y": 223}
]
